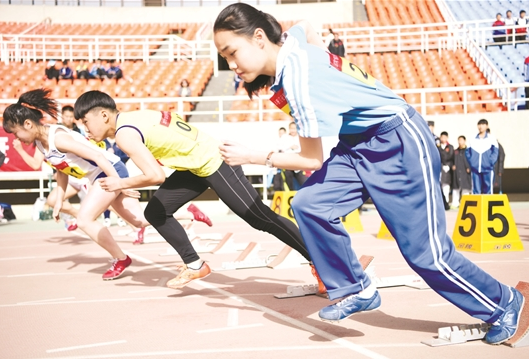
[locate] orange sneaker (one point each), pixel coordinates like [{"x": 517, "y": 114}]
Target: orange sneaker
[
  {"x": 321, "y": 286},
  {"x": 186, "y": 275}
]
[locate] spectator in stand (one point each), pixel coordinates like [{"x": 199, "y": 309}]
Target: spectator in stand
[
  {"x": 446, "y": 151},
  {"x": 498, "y": 167},
  {"x": 82, "y": 70},
  {"x": 329, "y": 38},
  {"x": 526, "y": 73},
  {"x": 462, "y": 180},
  {"x": 521, "y": 33},
  {"x": 114, "y": 71},
  {"x": 509, "y": 21},
  {"x": 68, "y": 119},
  {"x": 499, "y": 34},
  {"x": 482, "y": 154},
  {"x": 336, "y": 46},
  {"x": 51, "y": 71},
  {"x": 98, "y": 70},
  {"x": 185, "y": 90},
  {"x": 66, "y": 72}
]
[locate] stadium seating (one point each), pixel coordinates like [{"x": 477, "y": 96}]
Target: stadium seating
[
  {"x": 509, "y": 60},
  {"x": 154, "y": 79}
]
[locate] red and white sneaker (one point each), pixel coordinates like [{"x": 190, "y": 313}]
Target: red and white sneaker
[
  {"x": 321, "y": 286},
  {"x": 117, "y": 268},
  {"x": 199, "y": 215},
  {"x": 72, "y": 227},
  {"x": 139, "y": 239}
]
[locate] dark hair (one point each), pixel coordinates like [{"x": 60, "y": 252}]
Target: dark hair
[
  {"x": 498, "y": 14},
  {"x": 431, "y": 123},
  {"x": 483, "y": 122},
  {"x": 282, "y": 128},
  {"x": 508, "y": 11},
  {"x": 444, "y": 133},
  {"x": 522, "y": 12},
  {"x": 65, "y": 62},
  {"x": 244, "y": 19},
  {"x": 30, "y": 106},
  {"x": 66, "y": 108},
  {"x": 91, "y": 100},
  {"x": 488, "y": 130},
  {"x": 463, "y": 137}
]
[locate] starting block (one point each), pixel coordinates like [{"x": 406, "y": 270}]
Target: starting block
[
  {"x": 295, "y": 291},
  {"x": 249, "y": 258},
  {"x": 458, "y": 334},
  {"x": 213, "y": 245},
  {"x": 463, "y": 333},
  {"x": 287, "y": 258},
  {"x": 412, "y": 281}
]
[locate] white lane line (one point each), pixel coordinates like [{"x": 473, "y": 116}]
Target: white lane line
[
  {"x": 159, "y": 286},
  {"x": 86, "y": 301},
  {"x": 85, "y": 346},
  {"x": 230, "y": 328},
  {"x": 15, "y": 258},
  {"x": 233, "y": 317},
  {"x": 439, "y": 304},
  {"x": 200, "y": 351},
  {"x": 45, "y": 300},
  {"x": 294, "y": 322},
  {"x": 40, "y": 274}
]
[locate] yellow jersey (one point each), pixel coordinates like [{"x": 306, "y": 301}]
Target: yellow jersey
[{"x": 174, "y": 143}]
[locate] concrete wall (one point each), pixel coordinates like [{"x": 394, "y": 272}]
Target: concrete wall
[
  {"x": 510, "y": 128},
  {"x": 317, "y": 13}
]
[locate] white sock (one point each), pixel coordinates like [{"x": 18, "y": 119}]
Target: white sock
[
  {"x": 368, "y": 292},
  {"x": 196, "y": 264}
]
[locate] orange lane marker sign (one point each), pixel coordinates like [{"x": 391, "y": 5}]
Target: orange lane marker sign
[
  {"x": 383, "y": 232},
  {"x": 485, "y": 225},
  {"x": 282, "y": 205}
]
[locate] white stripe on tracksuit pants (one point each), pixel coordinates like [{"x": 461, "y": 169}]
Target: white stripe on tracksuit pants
[{"x": 397, "y": 165}]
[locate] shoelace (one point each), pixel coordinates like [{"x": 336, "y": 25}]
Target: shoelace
[
  {"x": 113, "y": 262},
  {"x": 345, "y": 301}
]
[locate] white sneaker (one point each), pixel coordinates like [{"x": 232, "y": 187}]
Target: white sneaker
[
  {"x": 121, "y": 222},
  {"x": 107, "y": 222}
]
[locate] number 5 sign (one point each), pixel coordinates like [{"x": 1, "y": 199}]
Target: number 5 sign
[{"x": 485, "y": 224}]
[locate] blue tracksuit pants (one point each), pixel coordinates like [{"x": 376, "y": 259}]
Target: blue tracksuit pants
[
  {"x": 482, "y": 182},
  {"x": 396, "y": 164}
]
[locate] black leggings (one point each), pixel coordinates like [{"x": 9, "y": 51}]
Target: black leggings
[{"x": 234, "y": 190}]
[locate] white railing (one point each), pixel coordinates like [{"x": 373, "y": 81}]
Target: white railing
[
  {"x": 126, "y": 47},
  {"x": 505, "y": 92}
]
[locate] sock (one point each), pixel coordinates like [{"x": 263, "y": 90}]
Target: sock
[
  {"x": 196, "y": 264},
  {"x": 368, "y": 292}
]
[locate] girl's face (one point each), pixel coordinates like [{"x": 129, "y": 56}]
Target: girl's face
[
  {"x": 245, "y": 55},
  {"x": 27, "y": 133}
]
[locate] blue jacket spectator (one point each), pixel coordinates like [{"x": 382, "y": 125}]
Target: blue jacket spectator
[
  {"x": 65, "y": 72},
  {"x": 114, "y": 71},
  {"x": 482, "y": 154},
  {"x": 98, "y": 70}
]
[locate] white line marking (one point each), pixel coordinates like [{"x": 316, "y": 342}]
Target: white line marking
[
  {"x": 200, "y": 351},
  {"x": 344, "y": 343},
  {"x": 40, "y": 274},
  {"x": 87, "y": 301},
  {"x": 233, "y": 317},
  {"x": 85, "y": 346},
  {"x": 16, "y": 258},
  {"x": 45, "y": 300},
  {"x": 230, "y": 328},
  {"x": 439, "y": 304}
]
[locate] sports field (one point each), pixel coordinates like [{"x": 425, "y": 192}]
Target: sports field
[{"x": 54, "y": 304}]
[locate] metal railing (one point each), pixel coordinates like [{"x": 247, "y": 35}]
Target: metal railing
[
  {"x": 505, "y": 91},
  {"x": 125, "y": 47}
]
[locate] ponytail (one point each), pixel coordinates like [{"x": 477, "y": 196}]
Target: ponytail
[
  {"x": 30, "y": 106},
  {"x": 243, "y": 19}
]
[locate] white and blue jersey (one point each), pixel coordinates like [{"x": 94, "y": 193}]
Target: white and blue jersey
[
  {"x": 308, "y": 80},
  {"x": 482, "y": 153}
]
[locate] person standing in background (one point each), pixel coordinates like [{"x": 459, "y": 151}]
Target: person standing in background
[
  {"x": 482, "y": 154},
  {"x": 446, "y": 151},
  {"x": 462, "y": 180},
  {"x": 336, "y": 46}
]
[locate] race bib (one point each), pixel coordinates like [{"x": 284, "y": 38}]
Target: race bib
[{"x": 352, "y": 70}]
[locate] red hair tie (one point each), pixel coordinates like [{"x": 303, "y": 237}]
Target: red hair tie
[{"x": 28, "y": 106}]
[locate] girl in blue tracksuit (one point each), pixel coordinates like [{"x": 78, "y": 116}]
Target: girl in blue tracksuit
[
  {"x": 482, "y": 154},
  {"x": 385, "y": 152}
]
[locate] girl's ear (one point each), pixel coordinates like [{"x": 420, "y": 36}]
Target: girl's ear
[
  {"x": 260, "y": 36},
  {"x": 28, "y": 124}
]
